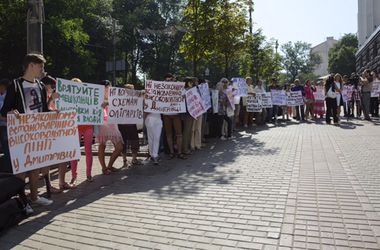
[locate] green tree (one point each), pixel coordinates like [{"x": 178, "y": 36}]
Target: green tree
[
  {"x": 13, "y": 37},
  {"x": 298, "y": 59},
  {"x": 342, "y": 56}
]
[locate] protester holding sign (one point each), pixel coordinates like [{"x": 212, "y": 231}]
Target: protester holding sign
[
  {"x": 87, "y": 131},
  {"x": 319, "y": 103},
  {"x": 108, "y": 132},
  {"x": 224, "y": 103},
  {"x": 273, "y": 112},
  {"x": 309, "y": 100},
  {"x": 339, "y": 97},
  {"x": 261, "y": 116},
  {"x": 366, "y": 82},
  {"x": 374, "y": 104},
  {"x": 50, "y": 86},
  {"x": 300, "y": 110},
  {"x": 129, "y": 131},
  {"x": 247, "y": 116},
  {"x": 172, "y": 121},
  {"x": 28, "y": 95},
  {"x": 188, "y": 121},
  {"x": 198, "y": 107}
]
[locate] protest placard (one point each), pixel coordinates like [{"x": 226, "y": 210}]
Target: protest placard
[
  {"x": 215, "y": 100},
  {"x": 279, "y": 97},
  {"x": 125, "y": 106},
  {"x": 266, "y": 100},
  {"x": 240, "y": 86},
  {"x": 164, "y": 97},
  {"x": 295, "y": 98},
  {"x": 347, "y": 92},
  {"x": 85, "y": 98},
  {"x": 254, "y": 104},
  {"x": 42, "y": 139},
  {"x": 375, "y": 89},
  {"x": 205, "y": 94},
  {"x": 319, "y": 94},
  {"x": 194, "y": 102},
  {"x": 231, "y": 97}
]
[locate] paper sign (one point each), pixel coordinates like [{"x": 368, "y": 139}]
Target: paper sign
[
  {"x": 205, "y": 94},
  {"x": 164, "y": 97},
  {"x": 375, "y": 89},
  {"x": 319, "y": 94},
  {"x": 215, "y": 100},
  {"x": 279, "y": 97},
  {"x": 231, "y": 97},
  {"x": 194, "y": 102},
  {"x": 85, "y": 98},
  {"x": 254, "y": 104},
  {"x": 241, "y": 86},
  {"x": 347, "y": 92},
  {"x": 266, "y": 100},
  {"x": 42, "y": 139},
  {"x": 125, "y": 106},
  {"x": 295, "y": 98}
]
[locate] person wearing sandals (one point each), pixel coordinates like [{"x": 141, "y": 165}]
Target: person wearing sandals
[
  {"x": 50, "y": 84},
  {"x": 108, "y": 132},
  {"x": 131, "y": 138},
  {"x": 87, "y": 131}
]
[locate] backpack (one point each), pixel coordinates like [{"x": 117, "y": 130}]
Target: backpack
[{"x": 11, "y": 213}]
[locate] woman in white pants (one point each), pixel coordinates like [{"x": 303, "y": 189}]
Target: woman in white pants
[{"x": 153, "y": 124}]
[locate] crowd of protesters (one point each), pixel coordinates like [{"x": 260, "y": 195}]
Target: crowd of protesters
[{"x": 177, "y": 135}]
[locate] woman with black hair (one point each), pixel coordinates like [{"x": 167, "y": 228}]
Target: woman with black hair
[{"x": 331, "y": 103}]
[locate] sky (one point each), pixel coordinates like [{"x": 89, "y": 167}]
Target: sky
[{"x": 309, "y": 21}]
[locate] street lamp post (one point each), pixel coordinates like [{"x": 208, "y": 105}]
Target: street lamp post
[{"x": 35, "y": 20}]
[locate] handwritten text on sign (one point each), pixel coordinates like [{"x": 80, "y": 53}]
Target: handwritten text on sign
[
  {"x": 295, "y": 98},
  {"x": 85, "y": 98},
  {"x": 347, "y": 92},
  {"x": 43, "y": 139},
  {"x": 319, "y": 94},
  {"x": 125, "y": 106},
  {"x": 164, "y": 97},
  {"x": 254, "y": 104},
  {"x": 241, "y": 86},
  {"x": 279, "y": 97},
  {"x": 266, "y": 100},
  {"x": 205, "y": 94},
  {"x": 194, "y": 103},
  {"x": 215, "y": 100}
]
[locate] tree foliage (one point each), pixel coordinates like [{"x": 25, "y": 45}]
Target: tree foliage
[
  {"x": 342, "y": 56},
  {"x": 297, "y": 59}
]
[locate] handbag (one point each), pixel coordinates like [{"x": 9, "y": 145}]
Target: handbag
[{"x": 331, "y": 93}]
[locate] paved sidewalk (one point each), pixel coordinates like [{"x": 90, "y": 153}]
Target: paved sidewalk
[{"x": 294, "y": 186}]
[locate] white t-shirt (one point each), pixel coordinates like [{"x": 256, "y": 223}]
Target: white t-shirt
[{"x": 33, "y": 98}]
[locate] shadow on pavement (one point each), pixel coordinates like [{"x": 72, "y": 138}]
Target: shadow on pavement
[{"x": 171, "y": 179}]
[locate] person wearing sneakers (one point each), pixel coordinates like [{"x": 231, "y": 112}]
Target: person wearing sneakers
[{"x": 27, "y": 95}]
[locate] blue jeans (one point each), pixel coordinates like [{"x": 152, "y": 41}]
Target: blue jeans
[{"x": 5, "y": 166}]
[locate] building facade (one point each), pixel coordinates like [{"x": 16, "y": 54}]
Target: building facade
[
  {"x": 323, "y": 51},
  {"x": 368, "y": 56}
]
